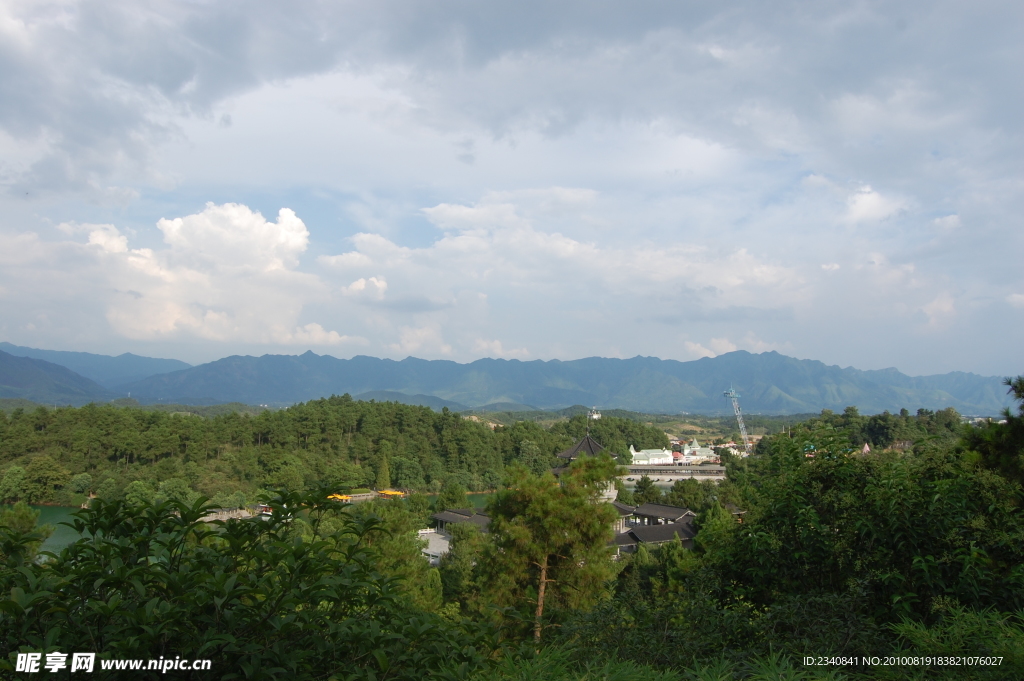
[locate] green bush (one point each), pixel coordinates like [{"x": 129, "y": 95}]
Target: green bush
[{"x": 153, "y": 580}]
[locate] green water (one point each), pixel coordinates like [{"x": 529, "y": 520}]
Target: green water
[{"x": 62, "y": 534}]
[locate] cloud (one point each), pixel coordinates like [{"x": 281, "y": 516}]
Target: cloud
[
  {"x": 374, "y": 287},
  {"x": 940, "y": 310},
  {"x": 867, "y": 205},
  {"x": 225, "y": 274},
  {"x": 494, "y": 348},
  {"x": 719, "y": 346},
  {"x": 488, "y": 244},
  {"x": 592, "y": 166},
  {"x": 424, "y": 340},
  {"x": 314, "y": 334},
  {"x": 233, "y": 236},
  {"x": 697, "y": 350},
  {"x": 1016, "y": 299},
  {"x": 108, "y": 239}
]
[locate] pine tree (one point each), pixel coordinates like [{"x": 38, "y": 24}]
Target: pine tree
[
  {"x": 383, "y": 474},
  {"x": 549, "y": 539}
]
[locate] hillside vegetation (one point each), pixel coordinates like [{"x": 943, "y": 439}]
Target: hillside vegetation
[
  {"x": 911, "y": 553},
  {"x": 58, "y": 456}
]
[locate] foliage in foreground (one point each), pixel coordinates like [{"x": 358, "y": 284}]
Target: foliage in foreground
[{"x": 254, "y": 596}]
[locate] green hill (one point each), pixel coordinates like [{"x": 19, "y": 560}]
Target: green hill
[{"x": 38, "y": 381}]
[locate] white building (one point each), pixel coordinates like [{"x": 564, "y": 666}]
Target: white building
[
  {"x": 651, "y": 457},
  {"x": 693, "y": 449}
]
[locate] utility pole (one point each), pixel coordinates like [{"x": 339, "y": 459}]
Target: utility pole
[{"x": 732, "y": 395}]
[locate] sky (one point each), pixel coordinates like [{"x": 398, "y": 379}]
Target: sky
[{"x": 840, "y": 181}]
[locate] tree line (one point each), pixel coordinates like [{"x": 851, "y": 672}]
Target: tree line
[
  {"x": 907, "y": 551},
  {"x": 62, "y": 456}
]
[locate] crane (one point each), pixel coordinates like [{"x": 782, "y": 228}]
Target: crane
[{"x": 732, "y": 395}]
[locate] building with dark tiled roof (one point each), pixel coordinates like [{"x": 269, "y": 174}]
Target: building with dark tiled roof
[
  {"x": 627, "y": 542},
  {"x": 625, "y": 511},
  {"x": 456, "y": 516},
  {"x": 660, "y": 514},
  {"x": 588, "y": 446},
  {"x": 736, "y": 512}
]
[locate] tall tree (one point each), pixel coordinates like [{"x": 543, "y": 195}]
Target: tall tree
[
  {"x": 453, "y": 495},
  {"x": 549, "y": 538},
  {"x": 384, "y": 474},
  {"x": 646, "y": 491},
  {"x": 1001, "y": 445}
]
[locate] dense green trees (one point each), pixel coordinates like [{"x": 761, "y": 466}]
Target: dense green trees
[
  {"x": 879, "y": 431},
  {"x": 548, "y": 539},
  {"x": 257, "y": 597},
  {"x": 44, "y": 454},
  {"x": 1001, "y": 445},
  {"x": 452, "y": 495},
  {"x": 918, "y": 549}
]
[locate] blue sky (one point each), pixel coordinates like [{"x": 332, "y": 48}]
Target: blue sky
[{"x": 833, "y": 180}]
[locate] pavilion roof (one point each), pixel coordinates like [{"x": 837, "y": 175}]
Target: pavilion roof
[{"x": 588, "y": 446}]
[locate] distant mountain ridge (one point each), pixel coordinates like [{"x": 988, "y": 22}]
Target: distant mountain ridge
[
  {"x": 768, "y": 382},
  {"x": 108, "y": 371},
  {"x": 47, "y": 383}
]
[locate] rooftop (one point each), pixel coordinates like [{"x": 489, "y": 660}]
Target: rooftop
[
  {"x": 623, "y": 509},
  {"x": 654, "y": 534},
  {"x": 662, "y": 511},
  {"x": 588, "y": 446}
]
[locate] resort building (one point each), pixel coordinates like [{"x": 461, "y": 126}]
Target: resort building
[{"x": 651, "y": 457}]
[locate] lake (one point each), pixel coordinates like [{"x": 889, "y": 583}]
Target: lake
[{"x": 62, "y": 534}]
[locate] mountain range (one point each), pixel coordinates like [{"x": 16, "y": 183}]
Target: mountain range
[
  {"x": 110, "y": 372},
  {"x": 768, "y": 383},
  {"x": 47, "y": 383}
]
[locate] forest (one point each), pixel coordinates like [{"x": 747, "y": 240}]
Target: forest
[
  {"x": 912, "y": 551},
  {"x": 62, "y": 456}
]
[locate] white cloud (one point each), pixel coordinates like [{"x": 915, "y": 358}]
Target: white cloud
[
  {"x": 494, "y": 348},
  {"x": 426, "y": 339},
  {"x": 697, "y": 350},
  {"x": 719, "y": 346},
  {"x": 374, "y": 287},
  {"x": 1016, "y": 299},
  {"x": 645, "y": 172},
  {"x": 226, "y": 274},
  {"x": 867, "y": 205},
  {"x": 940, "y": 310},
  {"x": 233, "y": 236},
  {"x": 491, "y": 244},
  {"x": 109, "y": 239},
  {"x": 314, "y": 334}
]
